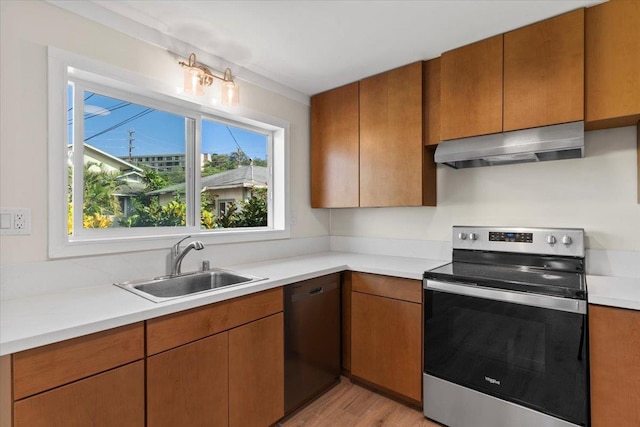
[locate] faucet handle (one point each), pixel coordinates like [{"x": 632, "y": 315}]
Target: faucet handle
[{"x": 176, "y": 248}]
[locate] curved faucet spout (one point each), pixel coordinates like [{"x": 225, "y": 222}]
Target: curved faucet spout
[{"x": 178, "y": 255}]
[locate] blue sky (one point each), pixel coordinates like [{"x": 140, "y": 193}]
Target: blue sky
[{"x": 108, "y": 122}]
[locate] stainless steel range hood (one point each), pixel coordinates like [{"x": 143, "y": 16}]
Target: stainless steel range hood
[{"x": 565, "y": 141}]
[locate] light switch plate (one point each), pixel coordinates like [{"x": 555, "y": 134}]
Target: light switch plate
[{"x": 15, "y": 221}]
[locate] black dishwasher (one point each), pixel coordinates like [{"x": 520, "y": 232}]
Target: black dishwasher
[{"x": 311, "y": 339}]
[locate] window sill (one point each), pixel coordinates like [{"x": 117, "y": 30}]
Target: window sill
[{"x": 90, "y": 247}]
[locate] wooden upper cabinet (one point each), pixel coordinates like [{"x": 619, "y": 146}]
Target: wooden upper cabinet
[
  {"x": 471, "y": 89},
  {"x": 612, "y": 62},
  {"x": 544, "y": 73},
  {"x": 431, "y": 106},
  {"x": 335, "y": 148},
  {"x": 614, "y": 347},
  {"x": 391, "y": 145}
]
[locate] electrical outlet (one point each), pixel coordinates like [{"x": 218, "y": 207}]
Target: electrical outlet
[{"x": 15, "y": 221}]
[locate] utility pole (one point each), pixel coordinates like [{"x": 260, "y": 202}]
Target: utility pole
[{"x": 131, "y": 139}]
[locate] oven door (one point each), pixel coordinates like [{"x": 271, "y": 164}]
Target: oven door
[{"x": 523, "y": 348}]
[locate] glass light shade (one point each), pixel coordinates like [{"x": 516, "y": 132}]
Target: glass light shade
[
  {"x": 230, "y": 93},
  {"x": 192, "y": 81}
]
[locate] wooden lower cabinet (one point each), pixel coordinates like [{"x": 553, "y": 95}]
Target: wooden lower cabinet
[
  {"x": 234, "y": 378},
  {"x": 386, "y": 343},
  {"x": 113, "y": 398},
  {"x": 614, "y": 341},
  {"x": 256, "y": 373},
  {"x": 188, "y": 385}
]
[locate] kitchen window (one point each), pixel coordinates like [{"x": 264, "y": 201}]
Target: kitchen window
[{"x": 115, "y": 153}]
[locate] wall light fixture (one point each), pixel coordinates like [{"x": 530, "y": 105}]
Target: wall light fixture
[{"x": 198, "y": 76}]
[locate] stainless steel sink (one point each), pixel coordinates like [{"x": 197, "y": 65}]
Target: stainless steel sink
[{"x": 165, "y": 288}]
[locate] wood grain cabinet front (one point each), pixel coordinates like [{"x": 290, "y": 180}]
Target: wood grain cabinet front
[
  {"x": 256, "y": 373},
  {"x": 614, "y": 347},
  {"x": 233, "y": 377},
  {"x": 391, "y": 138},
  {"x": 111, "y": 399},
  {"x": 367, "y": 142},
  {"x": 471, "y": 89},
  {"x": 189, "y": 385},
  {"x": 612, "y": 64},
  {"x": 386, "y": 337},
  {"x": 544, "y": 73},
  {"x": 96, "y": 379},
  {"x": 529, "y": 77},
  {"x": 335, "y": 147}
]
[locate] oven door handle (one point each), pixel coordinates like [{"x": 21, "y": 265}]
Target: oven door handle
[{"x": 543, "y": 301}]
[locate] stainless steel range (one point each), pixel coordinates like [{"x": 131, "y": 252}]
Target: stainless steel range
[{"x": 505, "y": 330}]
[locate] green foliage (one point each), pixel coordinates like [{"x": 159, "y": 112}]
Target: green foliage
[
  {"x": 249, "y": 213},
  {"x": 224, "y": 162},
  {"x": 153, "y": 215},
  {"x": 99, "y": 189},
  {"x": 153, "y": 180},
  {"x": 101, "y": 207}
]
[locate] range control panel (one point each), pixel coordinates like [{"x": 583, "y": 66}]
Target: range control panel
[
  {"x": 510, "y": 236},
  {"x": 547, "y": 241}
]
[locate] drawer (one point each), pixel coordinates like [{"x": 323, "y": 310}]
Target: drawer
[
  {"x": 110, "y": 399},
  {"x": 386, "y": 286},
  {"x": 53, "y": 365},
  {"x": 177, "y": 329}
]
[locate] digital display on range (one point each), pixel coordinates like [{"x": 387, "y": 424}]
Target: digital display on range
[{"x": 509, "y": 236}]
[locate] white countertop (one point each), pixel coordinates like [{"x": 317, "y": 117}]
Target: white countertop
[
  {"x": 43, "y": 319},
  {"x": 621, "y": 292}
]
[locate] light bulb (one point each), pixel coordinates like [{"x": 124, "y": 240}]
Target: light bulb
[
  {"x": 230, "y": 93},
  {"x": 192, "y": 81}
]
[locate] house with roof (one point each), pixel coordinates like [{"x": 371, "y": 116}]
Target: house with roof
[
  {"x": 223, "y": 188},
  {"x": 129, "y": 176}
]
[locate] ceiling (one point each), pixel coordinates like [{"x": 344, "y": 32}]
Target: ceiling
[{"x": 312, "y": 46}]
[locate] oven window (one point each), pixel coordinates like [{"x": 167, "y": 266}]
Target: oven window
[
  {"x": 531, "y": 356},
  {"x": 518, "y": 344}
]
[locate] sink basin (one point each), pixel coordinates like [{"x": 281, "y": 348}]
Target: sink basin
[{"x": 165, "y": 288}]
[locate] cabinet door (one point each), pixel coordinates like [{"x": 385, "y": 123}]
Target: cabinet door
[
  {"x": 612, "y": 64},
  {"x": 386, "y": 343},
  {"x": 544, "y": 73},
  {"x": 114, "y": 398},
  {"x": 334, "y": 148},
  {"x": 53, "y": 365},
  {"x": 256, "y": 373},
  {"x": 614, "y": 341},
  {"x": 188, "y": 385},
  {"x": 471, "y": 89},
  {"x": 391, "y": 147}
]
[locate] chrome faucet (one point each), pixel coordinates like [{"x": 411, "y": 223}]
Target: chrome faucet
[{"x": 178, "y": 255}]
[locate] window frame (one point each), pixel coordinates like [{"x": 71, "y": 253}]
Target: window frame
[{"x": 112, "y": 81}]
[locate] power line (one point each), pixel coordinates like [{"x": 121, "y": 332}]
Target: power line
[
  {"x": 110, "y": 109},
  {"x": 117, "y": 125},
  {"x": 71, "y": 108},
  {"x": 238, "y": 145}
]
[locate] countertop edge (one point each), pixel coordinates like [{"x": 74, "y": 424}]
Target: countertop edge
[{"x": 35, "y": 318}]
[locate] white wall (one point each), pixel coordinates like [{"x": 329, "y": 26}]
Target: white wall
[
  {"x": 597, "y": 193},
  {"x": 26, "y": 29}
]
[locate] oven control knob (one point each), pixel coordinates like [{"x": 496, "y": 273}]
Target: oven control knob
[
  {"x": 567, "y": 240},
  {"x": 551, "y": 239},
  {"x": 473, "y": 236},
  {"x": 462, "y": 236}
]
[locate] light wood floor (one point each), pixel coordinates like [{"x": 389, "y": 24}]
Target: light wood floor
[{"x": 349, "y": 405}]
